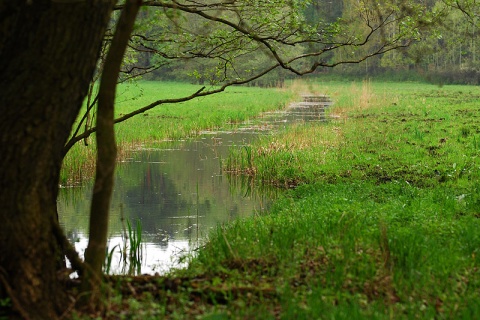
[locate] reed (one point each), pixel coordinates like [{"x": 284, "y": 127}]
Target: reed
[
  {"x": 132, "y": 254},
  {"x": 107, "y": 267},
  {"x": 128, "y": 254}
]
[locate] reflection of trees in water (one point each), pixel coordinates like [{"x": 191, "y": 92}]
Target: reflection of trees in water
[
  {"x": 160, "y": 188},
  {"x": 155, "y": 200},
  {"x": 164, "y": 193},
  {"x": 73, "y": 208},
  {"x": 165, "y": 212}
]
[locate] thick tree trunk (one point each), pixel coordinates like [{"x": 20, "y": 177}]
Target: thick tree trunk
[{"x": 48, "y": 51}]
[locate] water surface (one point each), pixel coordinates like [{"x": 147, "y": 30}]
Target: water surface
[{"x": 178, "y": 192}]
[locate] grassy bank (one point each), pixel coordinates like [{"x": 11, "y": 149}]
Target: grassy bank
[
  {"x": 380, "y": 132},
  {"x": 171, "y": 121},
  {"x": 382, "y": 222}
]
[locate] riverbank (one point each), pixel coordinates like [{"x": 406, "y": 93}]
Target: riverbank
[
  {"x": 171, "y": 121},
  {"x": 383, "y": 221}
]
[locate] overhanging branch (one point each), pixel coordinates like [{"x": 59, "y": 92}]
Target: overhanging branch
[{"x": 200, "y": 93}]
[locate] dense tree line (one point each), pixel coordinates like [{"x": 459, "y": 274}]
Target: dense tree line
[{"x": 445, "y": 53}]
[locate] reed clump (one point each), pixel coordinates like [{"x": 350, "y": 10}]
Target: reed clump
[{"x": 126, "y": 257}]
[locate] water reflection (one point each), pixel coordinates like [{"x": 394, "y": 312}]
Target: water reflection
[{"x": 178, "y": 191}]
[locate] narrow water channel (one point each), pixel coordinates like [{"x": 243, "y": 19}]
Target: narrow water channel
[{"x": 178, "y": 192}]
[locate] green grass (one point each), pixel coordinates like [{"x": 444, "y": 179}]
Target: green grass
[
  {"x": 171, "y": 121},
  {"x": 382, "y": 222},
  {"x": 327, "y": 248},
  {"x": 175, "y": 121},
  {"x": 417, "y": 133},
  {"x": 132, "y": 254}
]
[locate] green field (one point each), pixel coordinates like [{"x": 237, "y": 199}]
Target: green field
[
  {"x": 379, "y": 218},
  {"x": 384, "y": 219}
]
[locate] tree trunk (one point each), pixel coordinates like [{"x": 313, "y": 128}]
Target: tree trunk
[
  {"x": 106, "y": 154},
  {"x": 48, "y": 52}
]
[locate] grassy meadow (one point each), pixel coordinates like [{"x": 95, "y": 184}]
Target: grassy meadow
[
  {"x": 171, "y": 121},
  {"x": 383, "y": 221},
  {"x": 379, "y": 218}
]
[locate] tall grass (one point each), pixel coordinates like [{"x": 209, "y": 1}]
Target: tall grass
[
  {"x": 129, "y": 253},
  {"x": 132, "y": 254},
  {"x": 380, "y": 218}
]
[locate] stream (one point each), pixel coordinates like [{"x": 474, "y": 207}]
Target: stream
[{"x": 178, "y": 192}]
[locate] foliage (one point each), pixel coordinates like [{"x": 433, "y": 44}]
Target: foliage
[
  {"x": 444, "y": 51},
  {"x": 255, "y": 42},
  {"x": 230, "y": 41}
]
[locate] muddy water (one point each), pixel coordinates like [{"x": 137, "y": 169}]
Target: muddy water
[{"x": 178, "y": 192}]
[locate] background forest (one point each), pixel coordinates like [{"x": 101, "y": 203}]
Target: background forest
[{"x": 445, "y": 54}]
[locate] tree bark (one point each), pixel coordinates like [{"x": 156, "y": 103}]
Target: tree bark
[
  {"x": 106, "y": 154},
  {"x": 48, "y": 52}
]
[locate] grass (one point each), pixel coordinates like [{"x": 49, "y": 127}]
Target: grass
[
  {"x": 379, "y": 218},
  {"x": 132, "y": 254},
  {"x": 171, "y": 121},
  {"x": 384, "y": 217},
  {"x": 328, "y": 249},
  {"x": 130, "y": 251},
  {"x": 427, "y": 138}
]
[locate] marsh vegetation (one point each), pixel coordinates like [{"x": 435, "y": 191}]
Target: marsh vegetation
[
  {"x": 179, "y": 188},
  {"x": 171, "y": 121},
  {"x": 378, "y": 217}
]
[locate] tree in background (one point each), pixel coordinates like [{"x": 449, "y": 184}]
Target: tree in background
[
  {"x": 261, "y": 42},
  {"x": 444, "y": 52},
  {"x": 48, "y": 53},
  {"x": 460, "y": 37}
]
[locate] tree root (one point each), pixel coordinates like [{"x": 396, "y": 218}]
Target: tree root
[{"x": 68, "y": 249}]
